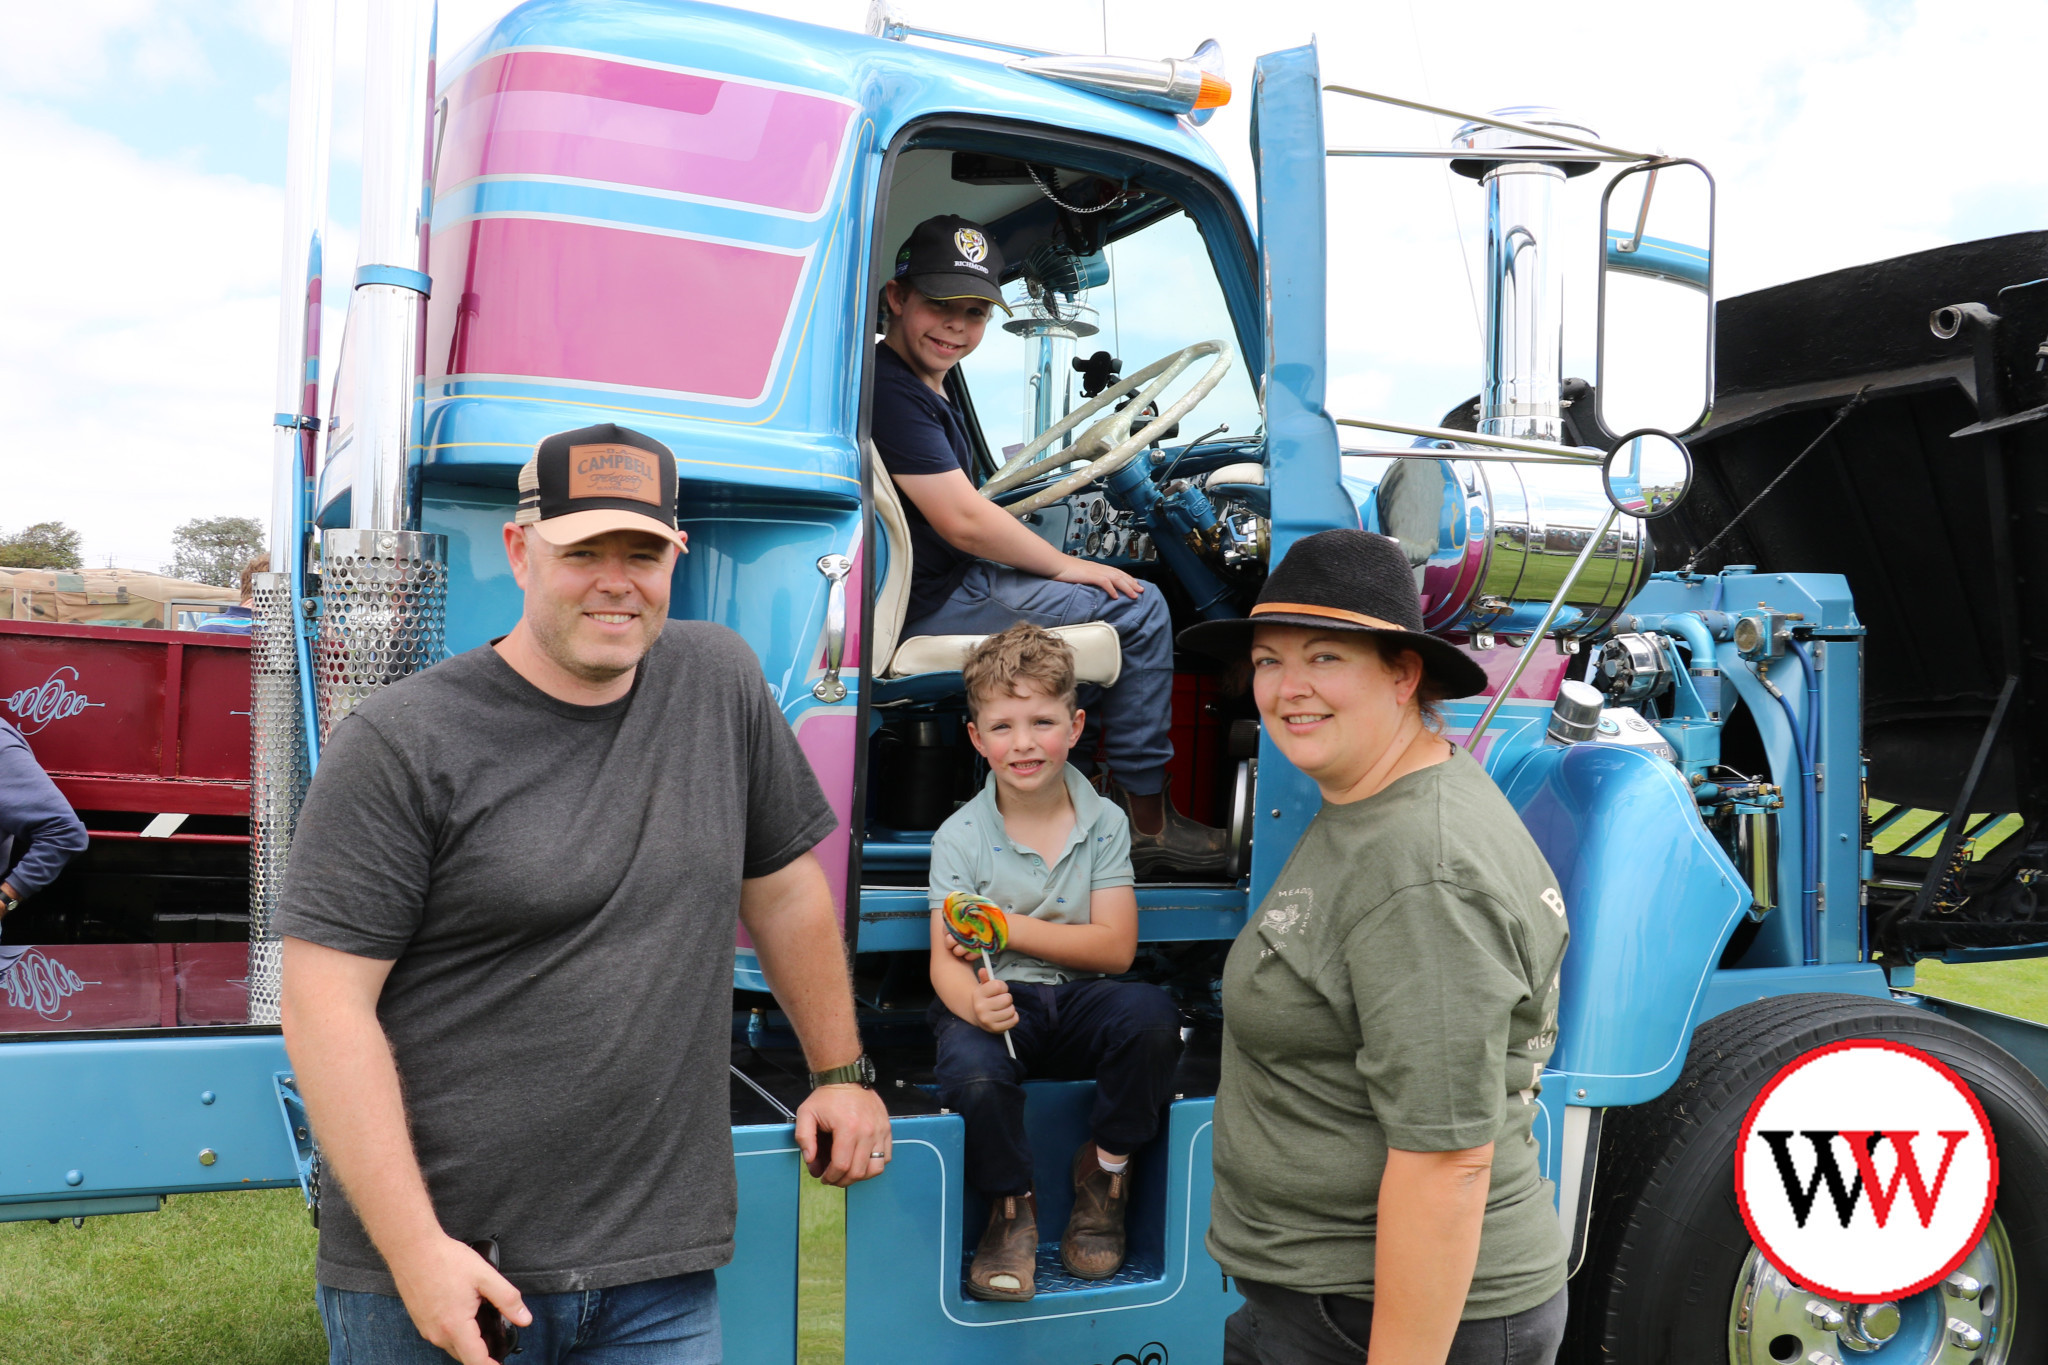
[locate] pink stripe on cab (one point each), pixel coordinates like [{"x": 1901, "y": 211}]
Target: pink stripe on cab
[
  {"x": 553, "y": 113},
  {"x": 556, "y": 300}
]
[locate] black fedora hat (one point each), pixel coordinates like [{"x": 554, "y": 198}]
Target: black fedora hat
[{"x": 1344, "y": 580}]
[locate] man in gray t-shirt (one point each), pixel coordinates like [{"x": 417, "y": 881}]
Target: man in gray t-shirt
[{"x": 513, "y": 890}]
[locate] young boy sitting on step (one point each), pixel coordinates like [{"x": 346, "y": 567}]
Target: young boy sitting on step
[{"x": 1039, "y": 842}]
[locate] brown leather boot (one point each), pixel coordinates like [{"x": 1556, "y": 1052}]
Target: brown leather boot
[
  {"x": 1182, "y": 847},
  {"x": 1093, "y": 1246},
  {"x": 1008, "y": 1255}
]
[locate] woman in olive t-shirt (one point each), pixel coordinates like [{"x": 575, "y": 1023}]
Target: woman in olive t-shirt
[{"x": 1389, "y": 1007}]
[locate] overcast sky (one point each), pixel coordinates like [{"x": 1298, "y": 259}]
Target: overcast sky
[{"x": 142, "y": 142}]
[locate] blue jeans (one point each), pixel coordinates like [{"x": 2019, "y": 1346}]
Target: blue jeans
[
  {"x": 1135, "y": 714},
  {"x": 1123, "y": 1035},
  {"x": 672, "y": 1321}
]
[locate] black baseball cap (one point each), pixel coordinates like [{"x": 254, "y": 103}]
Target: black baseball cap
[
  {"x": 950, "y": 257},
  {"x": 586, "y": 482}
]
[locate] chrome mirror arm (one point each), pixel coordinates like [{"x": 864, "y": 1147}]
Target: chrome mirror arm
[{"x": 1535, "y": 452}]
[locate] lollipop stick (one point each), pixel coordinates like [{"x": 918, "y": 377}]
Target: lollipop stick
[{"x": 992, "y": 976}]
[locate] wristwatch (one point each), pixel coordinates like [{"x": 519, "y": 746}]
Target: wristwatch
[{"x": 860, "y": 1071}]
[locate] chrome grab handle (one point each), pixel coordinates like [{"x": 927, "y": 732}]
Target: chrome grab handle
[{"x": 835, "y": 568}]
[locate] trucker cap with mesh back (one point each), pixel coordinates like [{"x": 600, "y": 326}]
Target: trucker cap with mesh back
[{"x": 586, "y": 482}]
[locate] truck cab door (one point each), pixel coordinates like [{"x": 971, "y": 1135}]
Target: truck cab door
[{"x": 1302, "y": 452}]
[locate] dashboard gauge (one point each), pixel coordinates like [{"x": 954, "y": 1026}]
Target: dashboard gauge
[
  {"x": 1112, "y": 543},
  {"x": 1094, "y": 543},
  {"x": 1097, "y": 510}
]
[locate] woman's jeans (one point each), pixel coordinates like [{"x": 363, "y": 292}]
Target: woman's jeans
[
  {"x": 1281, "y": 1327},
  {"x": 672, "y": 1321}
]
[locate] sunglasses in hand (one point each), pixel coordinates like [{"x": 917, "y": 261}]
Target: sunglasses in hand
[{"x": 501, "y": 1338}]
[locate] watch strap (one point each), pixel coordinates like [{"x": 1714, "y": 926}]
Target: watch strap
[{"x": 860, "y": 1071}]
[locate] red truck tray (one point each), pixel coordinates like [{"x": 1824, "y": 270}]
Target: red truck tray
[{"x": 132, "y": 720}]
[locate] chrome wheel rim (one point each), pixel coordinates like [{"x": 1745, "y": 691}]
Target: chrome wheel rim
[{"x": 1965, "y": 1320}]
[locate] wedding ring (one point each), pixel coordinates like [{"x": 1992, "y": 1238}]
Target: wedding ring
[{"x": 875, "y": 1156}]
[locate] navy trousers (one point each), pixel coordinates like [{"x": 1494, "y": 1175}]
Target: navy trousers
[
  {"x": 1124, "y": 1035},
  {"x": 1136, "y": 715}
]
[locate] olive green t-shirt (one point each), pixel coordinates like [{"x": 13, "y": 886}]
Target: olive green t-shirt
[{"x": 1396, "y": 988}]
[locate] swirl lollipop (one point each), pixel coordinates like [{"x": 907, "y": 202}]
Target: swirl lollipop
[{"x": 980, "y": 925}]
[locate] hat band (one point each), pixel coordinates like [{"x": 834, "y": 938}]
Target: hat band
[{"x": 1334, "y": 613}]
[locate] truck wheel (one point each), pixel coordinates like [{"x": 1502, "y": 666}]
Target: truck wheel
[{"x": 1671, "y": 1276}]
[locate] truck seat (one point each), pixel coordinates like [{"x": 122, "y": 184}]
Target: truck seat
[{"x": 1097, "y": 656}]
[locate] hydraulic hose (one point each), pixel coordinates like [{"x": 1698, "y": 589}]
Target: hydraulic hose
[
  {"x": 1809, "y": 901},
  {"x": 1811, "y": 758}
]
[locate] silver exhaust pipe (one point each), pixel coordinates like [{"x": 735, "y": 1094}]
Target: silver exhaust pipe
[
  {"x": 384, "y": 583},
  {"x": 278, "y": 767},
  {"x": 1524, "y": 272}
]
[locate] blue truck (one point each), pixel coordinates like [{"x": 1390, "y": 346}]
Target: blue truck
[{"x": 1768, "y": 786}]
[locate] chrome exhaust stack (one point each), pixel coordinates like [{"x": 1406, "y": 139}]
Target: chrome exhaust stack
[
  {"x": 384, "y": 583},
  {"x": 1525, "y": 258},
  {"x": 278, "y": 760}
]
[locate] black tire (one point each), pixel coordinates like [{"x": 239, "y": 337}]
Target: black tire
[{"x": 1667, "y": 1241}]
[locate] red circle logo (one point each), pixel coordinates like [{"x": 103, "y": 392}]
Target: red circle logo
[{"x": 1866, "y": 1170}]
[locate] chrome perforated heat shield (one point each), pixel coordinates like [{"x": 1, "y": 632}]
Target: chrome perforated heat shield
[
  {"x": 383, "y": 614},
  {"x": 277, "y": 778}
]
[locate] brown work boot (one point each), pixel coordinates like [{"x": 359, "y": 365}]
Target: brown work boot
[
  {"x": 1093, "y": 1245},
  {"x": 1004, "y": 1262},
  {"x": 1182, "y": 847}
]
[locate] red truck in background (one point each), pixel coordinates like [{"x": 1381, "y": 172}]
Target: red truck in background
[{"x": 146, "y": 733}]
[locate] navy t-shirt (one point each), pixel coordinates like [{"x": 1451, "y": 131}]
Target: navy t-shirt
[{"x": 917, "y": 432}]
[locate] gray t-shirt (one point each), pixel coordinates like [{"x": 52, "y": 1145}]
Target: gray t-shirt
[
  {"x": 1396, "y": 988},
  {"x": 558, "y": 886}
]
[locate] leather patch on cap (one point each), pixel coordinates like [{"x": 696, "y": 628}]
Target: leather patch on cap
[{"x": 614, "y": 471}]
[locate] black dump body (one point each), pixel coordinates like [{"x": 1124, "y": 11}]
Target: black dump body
[{"x": 1943, "y": 538}]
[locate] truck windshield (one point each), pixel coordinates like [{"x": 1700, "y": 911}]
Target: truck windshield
[{"x": 1161, "y": 294}]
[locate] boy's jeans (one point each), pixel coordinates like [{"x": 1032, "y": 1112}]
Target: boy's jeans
[
  {"x": 1122, "y": 1034},
  {"x": 672, "y": 1321},
  {"x": 1136, "y": 714}
]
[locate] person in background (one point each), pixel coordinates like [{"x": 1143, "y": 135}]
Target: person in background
[
  {"x": 39, "y": 832},
  {"x": 237, "y": 620},
  {"x": 1388, "y": 1010},
  {"x": 977, "y": 570}
]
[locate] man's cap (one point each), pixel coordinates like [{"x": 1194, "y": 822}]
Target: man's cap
[
  {"x": 586, "y": 482},
  {"x": 950, "y": 257},
  {"x": 1344, "y": 579}
]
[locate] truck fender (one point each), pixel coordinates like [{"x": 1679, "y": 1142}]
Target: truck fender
[{"x": 1651, "y": 899}]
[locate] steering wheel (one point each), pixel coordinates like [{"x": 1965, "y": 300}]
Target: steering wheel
[{"x": 1099, "y": 446}]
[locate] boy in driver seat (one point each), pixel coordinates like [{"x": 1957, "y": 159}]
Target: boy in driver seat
[{"x": 976, "y": 569}]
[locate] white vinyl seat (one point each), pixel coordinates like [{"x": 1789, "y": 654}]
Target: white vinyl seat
[{"x": 1097, "y": 656}]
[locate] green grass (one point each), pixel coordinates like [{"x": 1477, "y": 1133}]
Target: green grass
[
  {"x": 227, "y": 1279},
  {"x": 212, "y": 1279},
  {"x": 2016, "y": 988},
  {"x": 821, "y": 1283}
]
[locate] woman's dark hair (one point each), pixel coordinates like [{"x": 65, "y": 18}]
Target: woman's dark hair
[{"x": 1429, "y": 693}]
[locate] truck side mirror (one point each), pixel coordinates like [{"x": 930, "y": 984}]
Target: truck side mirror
[
  {"x": 1656, "y": 317},
  {"x": 1647, "y": 474}
]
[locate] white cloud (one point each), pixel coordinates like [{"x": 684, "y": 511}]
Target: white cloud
[{"x": 135, "y": 361}]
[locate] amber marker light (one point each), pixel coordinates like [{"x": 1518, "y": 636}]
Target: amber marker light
[{"x": 1189, "y": 86}]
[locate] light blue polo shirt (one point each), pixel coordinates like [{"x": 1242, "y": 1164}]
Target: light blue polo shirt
[{"x": 973, "y": 852}]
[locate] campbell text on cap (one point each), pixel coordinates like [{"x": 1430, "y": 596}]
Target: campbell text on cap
[
  {"x": 586, "y": 482},
  {"x": 950, "y": 257}
]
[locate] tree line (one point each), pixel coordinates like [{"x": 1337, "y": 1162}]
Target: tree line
[{"x": 204, "y": 550}]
